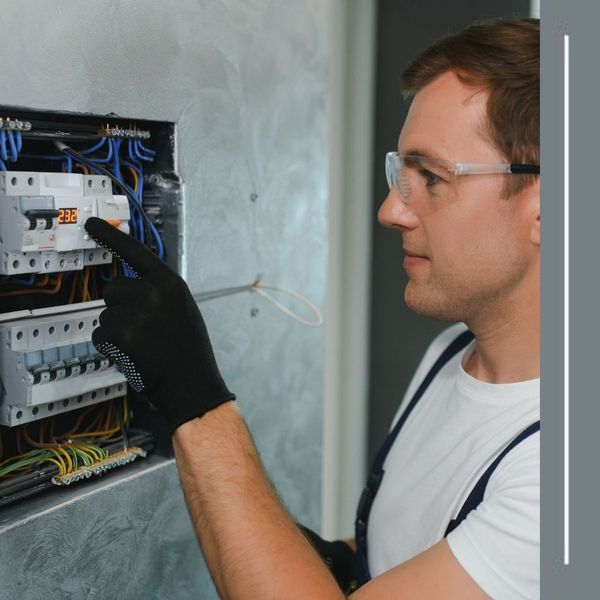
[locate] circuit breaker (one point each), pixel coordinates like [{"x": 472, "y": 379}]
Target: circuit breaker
[
  {"x": 49, "y": 365},
  {"x": 42, "y": 218}
]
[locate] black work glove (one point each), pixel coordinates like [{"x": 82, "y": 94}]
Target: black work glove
[
  {"x": 152, "y": 329},
  {"x": 338, "y": 556}
]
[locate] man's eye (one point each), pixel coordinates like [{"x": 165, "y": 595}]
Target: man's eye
[{"x": 430, "y": 178}]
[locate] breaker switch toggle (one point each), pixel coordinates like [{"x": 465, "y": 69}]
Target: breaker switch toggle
[{"x": 41, "y": 218}]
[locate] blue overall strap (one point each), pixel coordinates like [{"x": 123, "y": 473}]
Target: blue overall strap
[
  {"x": 476, "y": 496},
  {"x": 454, "y": 348},
  {"x": 369, "y": 492}
]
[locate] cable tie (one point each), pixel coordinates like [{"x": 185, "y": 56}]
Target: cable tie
[{"x": 258, "y": 287}]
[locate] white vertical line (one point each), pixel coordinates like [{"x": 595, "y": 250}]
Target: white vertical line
[{"x": 566, "y": 301}]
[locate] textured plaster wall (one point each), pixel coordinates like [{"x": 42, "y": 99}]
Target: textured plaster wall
[{"x": 246, "y": 83}]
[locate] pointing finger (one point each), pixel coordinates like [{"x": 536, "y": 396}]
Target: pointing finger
[{"x": 124, "y": 247}]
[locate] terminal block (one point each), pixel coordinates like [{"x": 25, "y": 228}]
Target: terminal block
[
  {"x": 42, "y": 218},
  {"x": 48, "y": 364}
]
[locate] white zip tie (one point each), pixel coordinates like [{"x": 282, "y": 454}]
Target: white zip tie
[{"x": 258, "y": 287}]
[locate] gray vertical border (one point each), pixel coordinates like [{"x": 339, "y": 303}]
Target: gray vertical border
[
  {"x": 578, "y": 578},
  {"x": 553, "y": 571}
]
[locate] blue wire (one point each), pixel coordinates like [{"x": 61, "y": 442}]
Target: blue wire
[
  {"x": 137, "y": 166},
  {"x": 116, "y": 166},
  {"x": 19, "y": 141},
  {"x": 138, "y": 193},
  {"x": 133, "y": 157},
  {"x": 159, "y": 243},
  {"x": 3, "y": 166},
  {"x": 93, "y": 148},
  {"x": 108, "y": 156},
  {"x": 143, "y": 148},
  {"x": 42, "y": 157},
  {"x": 104, "y": 277},
  {"x": 127, "y": 272},
  {"x": 13, "y": 147},
  {"x": 29, "y": 281},
  {"x": 138, "y": 153},
  {"x": 132, "y": 147},
  {"x": 3, "y": 154}
]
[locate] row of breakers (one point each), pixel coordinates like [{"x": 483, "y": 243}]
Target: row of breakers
[
  {"x": 42, "y": 217},
  {"x": 48, "y": 363},
  {"x": 66, "y": 361}
]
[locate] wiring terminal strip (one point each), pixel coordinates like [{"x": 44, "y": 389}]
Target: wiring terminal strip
[
  {"x": 10, "y": 124},
  {"x": 111, "y": 462},
  {"x": 114, "y": 131}
]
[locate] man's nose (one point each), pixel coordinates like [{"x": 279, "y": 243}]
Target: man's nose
[{"x": 394, "y": 212}]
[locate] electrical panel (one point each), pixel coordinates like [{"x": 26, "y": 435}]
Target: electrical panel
[{"x": 66, "y": 413}]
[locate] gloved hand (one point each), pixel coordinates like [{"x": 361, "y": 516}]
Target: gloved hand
[
  {"x": 152, "y": 329},
  {"x": 338, "y": 556}
]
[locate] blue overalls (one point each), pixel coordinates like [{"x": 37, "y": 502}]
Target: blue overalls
[{"x": 361, "y": 565}]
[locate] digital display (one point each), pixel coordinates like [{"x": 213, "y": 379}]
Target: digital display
[{"x": 66, "y": 216}]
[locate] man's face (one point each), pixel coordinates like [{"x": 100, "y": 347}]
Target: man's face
[{"x": 478, "y": 253}]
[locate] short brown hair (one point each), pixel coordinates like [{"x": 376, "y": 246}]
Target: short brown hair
[{"x": 503, "y": 57}]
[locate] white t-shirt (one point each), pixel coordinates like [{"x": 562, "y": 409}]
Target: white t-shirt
[{"x": 456, "y": 430}]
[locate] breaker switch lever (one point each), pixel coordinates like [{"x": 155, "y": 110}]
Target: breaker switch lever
[{"x": 41, "y": 213}]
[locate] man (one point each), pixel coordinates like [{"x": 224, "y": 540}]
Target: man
[{"x": 464, "y": 195}]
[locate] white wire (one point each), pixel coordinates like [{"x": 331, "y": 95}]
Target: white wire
[{"x": 259, "y": 287}]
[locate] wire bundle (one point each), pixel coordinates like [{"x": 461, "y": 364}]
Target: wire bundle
[
  {"x": 11, "y": 143},
  {"x": 69, "y": 451},
  {"x": 44, "y": 284}
]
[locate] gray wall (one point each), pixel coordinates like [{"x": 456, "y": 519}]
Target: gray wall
[
  {"x": 398, "y": 336},
  {"x": 246, "y": 83}
]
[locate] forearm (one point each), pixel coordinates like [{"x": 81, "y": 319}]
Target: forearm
[{"x": 252, "y": 547}]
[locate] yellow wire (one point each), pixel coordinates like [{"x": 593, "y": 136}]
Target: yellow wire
[
  {"x": 85, "y": 294},
  {"x": 93, "y": 451},
  {"x": 136, "y": 179},
  {"x": 63, "y": 451},
  {"x": 95, "y": 433},
  {"x": 59, "y": 458},
  {"x": 59, "y": 465},
  {"x": 8, "y": 460},
  {"x": 90, "y": 452},
  {"x": 80, "y": 450}
]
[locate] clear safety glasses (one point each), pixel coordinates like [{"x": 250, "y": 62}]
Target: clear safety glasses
[{"x": 430, "y": 183}]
